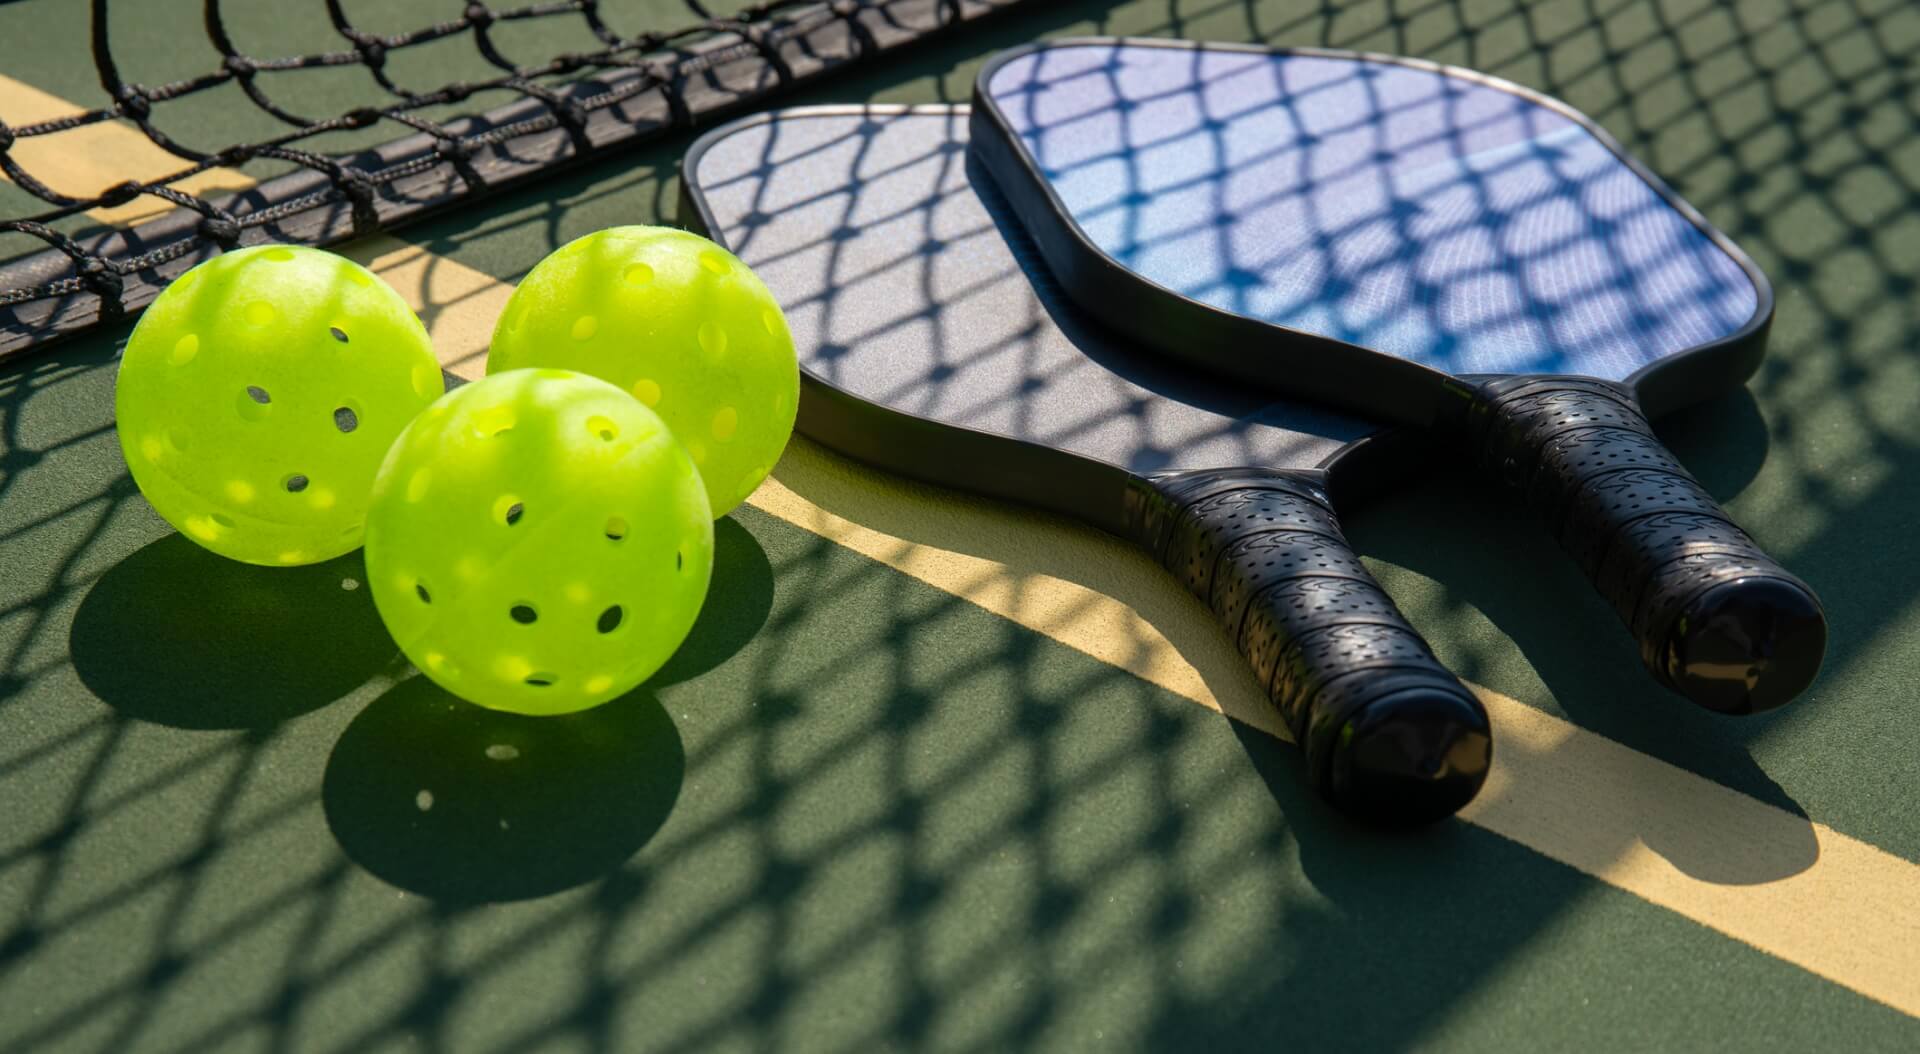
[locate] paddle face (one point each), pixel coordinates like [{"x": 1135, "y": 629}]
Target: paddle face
[
  {"x": 932, "y": 343},
  {"x": 1428, "y": 214},
  {"x": 909, "y": 288},
  {"x": 1433, "y": 246}
]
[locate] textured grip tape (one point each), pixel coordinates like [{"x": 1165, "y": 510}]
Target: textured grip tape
[
  {"x": 1264, "y": 550},
  {"x": 1645, "y": 532}
]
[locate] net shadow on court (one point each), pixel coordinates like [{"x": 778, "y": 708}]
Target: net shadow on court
[{"x": 873, "y": 761}]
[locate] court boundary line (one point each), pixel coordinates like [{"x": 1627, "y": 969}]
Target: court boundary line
[{"x": 1567, "y": 793}]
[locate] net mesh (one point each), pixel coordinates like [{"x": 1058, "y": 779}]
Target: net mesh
[{"x": 443, "y": 145}]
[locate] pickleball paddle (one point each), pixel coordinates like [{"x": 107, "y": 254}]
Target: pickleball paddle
[
  {"x": 1429, "y": 246},
  {"x": 933, "y": 344}
]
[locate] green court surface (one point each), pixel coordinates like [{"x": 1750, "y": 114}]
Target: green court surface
[{"x": 903, "y": 788}]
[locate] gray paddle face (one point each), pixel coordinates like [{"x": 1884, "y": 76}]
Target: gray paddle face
[
  {"x": 908, "y": 286},
  {"x": 1420, "y": 212}
]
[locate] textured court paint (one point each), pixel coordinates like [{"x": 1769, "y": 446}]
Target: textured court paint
[
  {"x": 1888, "y": 891},
  {"x": 1556, "y": 788},
  {"x": 1425, "y": 216}
]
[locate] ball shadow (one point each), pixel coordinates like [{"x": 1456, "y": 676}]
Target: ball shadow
[
  {"x": 738, "y": 603},
  {"x": 468, "y": 805},
  {"x": 179, "y": 636}
]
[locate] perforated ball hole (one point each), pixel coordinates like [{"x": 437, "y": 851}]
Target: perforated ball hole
[
  {"x": 338, "y": 333},
  {"x": 604, "y": 428},
  {"x": 254, "y": 403},
  {"x": 610, "y": 619},
  {"x": 508, "y": 508},
  {"x": 493, "y": 421},
  {"x": 420, "y": 590},
  {"x": 524, "y": 613},
  {"x": 542, "y": 679},
  {"x": 346, "y": 419},
  {"x": 616, "y": 529},
  {"x": 295, "y": 483}
]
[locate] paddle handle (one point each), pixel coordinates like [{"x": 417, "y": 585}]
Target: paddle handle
[
  {"x": 1716, "y": 618},
  {"x": 1390, "y": 734}
]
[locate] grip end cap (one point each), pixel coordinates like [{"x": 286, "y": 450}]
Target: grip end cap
[
  {"x": 1746, "y": 646},
  {"x": 1414, "y": 757}
]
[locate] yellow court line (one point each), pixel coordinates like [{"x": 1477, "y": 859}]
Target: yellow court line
[
  {"x": 82, "y": 162},
  {"x": 1830, "y": 904}
]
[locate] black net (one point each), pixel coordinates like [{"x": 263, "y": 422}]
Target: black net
[{"x": 514, "y": 118}]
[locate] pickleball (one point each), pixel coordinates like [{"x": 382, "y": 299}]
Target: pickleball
[
  {"x": 258, "y": 394},
  {"x": 681, "y": 324},
  {"x": 539, "y": 542}
]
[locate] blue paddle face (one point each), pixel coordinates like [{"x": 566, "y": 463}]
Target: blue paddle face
[
  {"x": 1411, "y": 211},
  {"x": 908, "y": 286}
]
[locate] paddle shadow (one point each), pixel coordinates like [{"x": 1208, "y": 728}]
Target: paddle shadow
[
  {"x": 1424, "y": 916},
  {"x": 1497, "y": 559},
  {"x": 179, "y": 636},
  {"x": 468, "y": 805},
  {"x": 1722, "y": 441}
]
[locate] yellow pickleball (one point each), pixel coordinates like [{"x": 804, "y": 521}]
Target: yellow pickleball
[
  {"x": 538, "y": 542},
  {"x": 682, "y": 325},
  {"x": 259, "y": 393}
]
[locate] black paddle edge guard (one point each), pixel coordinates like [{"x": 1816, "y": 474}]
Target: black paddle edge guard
[
  {"x": 1391, "y": 735},
  {"x": 1743, "y": 635},
  {"x": 84, "y": 281},
  {"x": 1717, "y": 620},
  {"x": 1309, "y": 365},
  {"x": 1403, "y": 692}
]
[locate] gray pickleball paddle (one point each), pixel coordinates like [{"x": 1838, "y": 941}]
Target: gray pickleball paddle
[{"x": 933, "y": 344}]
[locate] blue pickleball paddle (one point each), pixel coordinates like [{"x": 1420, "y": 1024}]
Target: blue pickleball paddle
[{"x": 1431, "y": 246}]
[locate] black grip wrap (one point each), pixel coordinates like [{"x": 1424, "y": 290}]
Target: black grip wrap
[
  {"x": 1390, "y": 734},
  {"x": 1716, "y": 618}
]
